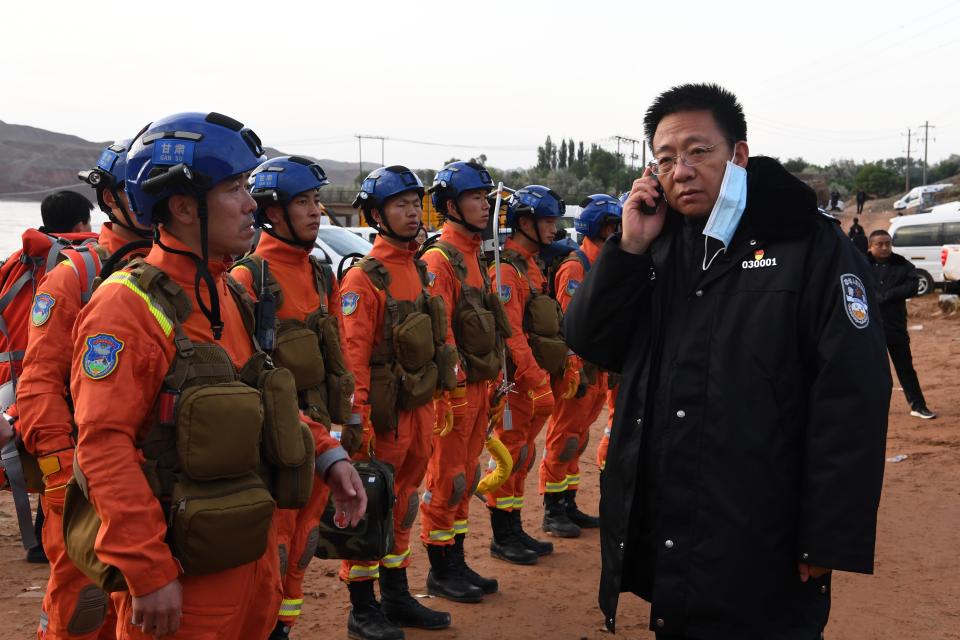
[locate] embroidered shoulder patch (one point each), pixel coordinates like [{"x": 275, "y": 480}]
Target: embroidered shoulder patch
[
  {"x": 431, "y": 278},
  {"x": 855, "y": 300},
  {"x": 572, "y": 286},
  {"x": 42, "y": 306},
  {"x": 348, "y": 302},
  {"x": 505, "y": 292},
  {"x": 101, "y": 356}
]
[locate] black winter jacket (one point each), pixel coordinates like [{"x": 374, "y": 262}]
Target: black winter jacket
[
  {"x": 779, "y": 395},
  {"x": 895, "y": 280}
]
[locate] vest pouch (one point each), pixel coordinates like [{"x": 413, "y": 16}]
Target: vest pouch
[
  {"x": 372, "y": 538},
  {"x": 475, "y": 329},
  {"x": 481, "y": 368},
  {"x": 495, "y": 305},
  {"x": 32, "y": 476},
  {"x": 382, "y": 398},
  {"x": 417, "y": 387},
  {"x": 219, "y": 525},
  {"x": 340, "y": 390},
  {"x": 542, "y": 316},
  {"x": 446, "y": 359},
  {"x": 298, "y": 349},
  {"x": 329, "y": 332},
  {"x": 291, "y": 486},
  {"x": 550, "y": 353},
  {"x": 282, "y": 442},
  {"x": 313, "y": 403},
  {"x": 437, "y": 311},
  {"x": 81, "y": 525},
  {"x": 413, "y": 341},
  {"x": 218, "y": 430}
]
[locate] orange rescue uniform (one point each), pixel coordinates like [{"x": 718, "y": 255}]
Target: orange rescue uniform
[
  {"x": 73, "y": 607},
  {"x": 531, "y": 401},
  {"x": 568, "y": 429},
  {"x": 408, "y": 449},
  {"x": 114, "y": 411},
  {"x": 454, "y": 466},
  {"x": 297, "y": 529}
]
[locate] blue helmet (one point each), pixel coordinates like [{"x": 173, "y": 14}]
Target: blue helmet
[
  {"x": 457, "y": 178},
  {"x": 110, "y": 171},
  {"x": 598, "y": 210},
  {"x": 534, "y": 200},
  {"x": 187, "y": 153},
  {"x": 278, "y": 180},
  {"x": 381, "y": 185}
]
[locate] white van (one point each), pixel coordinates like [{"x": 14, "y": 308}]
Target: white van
[
  {"x": 920, "y": 237},
  {"x": 367, "y": 233},
  {"x": 919, "y": 196}
]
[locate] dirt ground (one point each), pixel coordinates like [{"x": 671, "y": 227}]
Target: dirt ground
[{"x": 914, "y": 593}]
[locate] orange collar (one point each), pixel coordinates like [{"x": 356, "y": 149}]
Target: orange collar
[
  {"x": 591, "y": 248},
  {"x": 277, "y": 251},
  {"x": 111, "y": 240},
  {"x": 387, "y": 253},
  {"x": 181, "y": 268},
  {"x": 512, "y": 244},
  {"x": 468, "y": 245}
]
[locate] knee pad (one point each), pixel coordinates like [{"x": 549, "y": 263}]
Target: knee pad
[
  {"x": 283, "y": 560},
  {"x": 569, "y": 449},
  {"x": 583, "y": 447},
  {"x": 89, "y": 612},
  {"x": 413, "y": 504},
  {"x": 533, "y": 458},
  {"x": 521, "y": 458},
  {"x": 308, "y": 550},
  {"x": 459, "y": 487}
]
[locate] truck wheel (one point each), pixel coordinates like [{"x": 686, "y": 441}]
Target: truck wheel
[{"x": 926, "y": 283}]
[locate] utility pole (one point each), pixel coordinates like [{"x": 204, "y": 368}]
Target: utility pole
[
  {"x": 633, "y": 149},
  {"x": 926, "y": 139},
  {"x": 360, "y": 138},
  {"x": 906, "y": 187}
]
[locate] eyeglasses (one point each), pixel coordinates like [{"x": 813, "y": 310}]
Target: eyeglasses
[{"x": 690, "y": 158}]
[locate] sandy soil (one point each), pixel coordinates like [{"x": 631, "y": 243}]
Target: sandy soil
[{"x": 914, "y": 594}]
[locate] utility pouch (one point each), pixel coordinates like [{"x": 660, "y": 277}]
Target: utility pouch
[
  {"x": 413, "y": 341},
  {"x": 291, "y": 486},
  {"x": 550, "y": 353},
  {"x": 81, "y": 525},
  {"x": 382, "y": 398},
  {"x": 416, "y": 387},
  {"x": 495, "y": 305},
  {"x": 282, "y": 442},
  {"x": 481, "y": 368},
  {"x": 219, "y": 525},
  {"x": 446, "y": 359},
  {"x": 372, "y": 538},
  {"x": 542, "y": 316},
  {"x": 298, "y": 350},
  {"x": 218, "y": 430},
  {"x": 340, "y": 382}
]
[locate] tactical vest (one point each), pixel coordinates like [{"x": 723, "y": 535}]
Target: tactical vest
[
  {"x": 542, "y": 321},
  {"x": 480, "y": 324},
  {"x": 223, "y": 449},
  {"x": 412, "y": 361},
  {"x": 310, "y": 348}
]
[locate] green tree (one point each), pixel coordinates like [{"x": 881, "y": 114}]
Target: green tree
[
  {"x": 562, "y": 158},
  {"x": 604, "y": 165},
  {"x": 795, "y": 165},
  {"x": 877, "y": 179}
]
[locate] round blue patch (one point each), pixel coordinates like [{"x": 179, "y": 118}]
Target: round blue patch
[
  {"x": 101, "y": 356},
  {"x": 572, "y": 286},
  {"x": 505, "y": 292},
  {"x": 855, "y": 300},
  {"x": 42, "y": 306},
  {"x": 431, "y": 278},
  {"x": 348, "y": 302}
]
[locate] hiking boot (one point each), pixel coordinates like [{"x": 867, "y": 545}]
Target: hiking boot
[
  {"x": 366, "y": 621},
  {"x": 555, "y": 519},
  {"x": 280, "y": 632},
  {"x": 36, "y": 555},
  {"x": 578, "y": 517},
  {"x": 445, "y": 580},
  {"x": 921, "y": 411},
  {"x": 402, "y": 609},
  {"x": 506, "y": 544},
  {"x": 539, "y": 547},
  {"x": 459, "y": 562}
]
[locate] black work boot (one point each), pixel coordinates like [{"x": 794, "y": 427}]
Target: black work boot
[
  {"x": 555, "y": 518},
  {"x": 459, "y": 562},
  {"x": 506, "y": 544},
  {"x": 280, "y": 632},
  {"x": 445, "y": 580},
  {"x": 366, "y": 621},
  {"x": 540, "y": 547},
  {"x": 578, "y": 517},
  {"x": 401, "y": 608}
]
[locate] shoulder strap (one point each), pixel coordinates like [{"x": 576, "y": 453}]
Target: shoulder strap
[
  {"x": 519, "y": 263},
  {"x": 323, "y": 281},
  {"x": 262, "y": 278},
  {"x": 380, "y": 278},
  {"x": 245, "y": 303}
]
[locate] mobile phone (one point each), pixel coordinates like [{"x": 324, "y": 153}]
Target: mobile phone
[{"x": 647, "y": 209}]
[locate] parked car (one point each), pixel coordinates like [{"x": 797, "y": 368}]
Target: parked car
[
  {"x": 920, "y": 237},
  {"x": 919, "y": 196},
  {"x": 334, "y": 244},
  {"x": 367, "y": 233}
]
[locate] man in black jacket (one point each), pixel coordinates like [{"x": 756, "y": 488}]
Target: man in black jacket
[
  {"x": 747, "y": 455},
  {"x": 896, "y": 280}
]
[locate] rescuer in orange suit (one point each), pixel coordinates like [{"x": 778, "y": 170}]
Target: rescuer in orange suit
[
  {"x": 73, "y": 607},
  {"x": 287, "y": 190},
  {"x": 532, "y": 213},
  {"x": 388, "y": 277},
  {"x": 568, "y": 429},
  {"x": 185, "y": 173},
  {"x": 458, "y": 274}
]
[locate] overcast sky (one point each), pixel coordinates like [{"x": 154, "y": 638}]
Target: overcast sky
[{"x": 818, "y": 79}]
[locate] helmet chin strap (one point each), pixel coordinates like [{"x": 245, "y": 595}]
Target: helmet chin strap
[
  {"x": 296, "y": 241},
  {"x": 538, "y": 240},
  {"x": 462, "y": 220},
  {"x": 384, "y": 228},
  {"x": 128, "y": 225}
]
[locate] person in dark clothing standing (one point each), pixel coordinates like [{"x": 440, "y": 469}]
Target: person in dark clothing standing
[
  {"x": 861, "y": 198},
  {"x": 747, "y": 453},
  {"x": 858, "y": 236},
  {"x": 896, "y": 280}
]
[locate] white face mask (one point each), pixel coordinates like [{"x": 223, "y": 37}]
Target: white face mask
[{"x": 727, "y": 210}]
